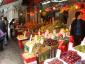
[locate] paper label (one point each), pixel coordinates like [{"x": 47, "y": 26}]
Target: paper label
[
  {"x": 58, "y": 53},
  {"x": 70, "y": 46},
  {"x": 30, "y": 37},
  {"x": 30, "y": 49}
]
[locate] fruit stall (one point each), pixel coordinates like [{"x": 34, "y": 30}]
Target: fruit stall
[
  {"x": 42, "y": 46},
  {"x": 74, "y": 55}
]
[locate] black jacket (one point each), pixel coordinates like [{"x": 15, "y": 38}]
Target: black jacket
[
  {"x": 82, "y": 27},
  {"x": 2, "y": 26}
]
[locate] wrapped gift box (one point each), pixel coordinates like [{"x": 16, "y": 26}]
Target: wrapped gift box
[{"x": 29, "y": 58}]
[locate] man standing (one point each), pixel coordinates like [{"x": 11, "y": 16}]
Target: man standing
[
  {"x": 2, "y": 33},
  {"x": 77, "y": 29}
]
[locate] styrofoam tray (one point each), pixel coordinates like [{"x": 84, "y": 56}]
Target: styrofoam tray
[
  {"x": 80, "y": 53},
  {"x": 48, "y": 60}
]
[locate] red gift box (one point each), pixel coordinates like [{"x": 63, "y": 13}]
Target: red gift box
[{"x": 28, "y": 59}]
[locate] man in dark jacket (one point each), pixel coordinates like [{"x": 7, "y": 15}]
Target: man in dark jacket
[
  {"x": 3, "y": 29},
  {"x": 2, "y": 25},
  {"x": 77, "y": 29}
]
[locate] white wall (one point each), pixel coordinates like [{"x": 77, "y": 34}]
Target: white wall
[{"x": 10, "y": 11}]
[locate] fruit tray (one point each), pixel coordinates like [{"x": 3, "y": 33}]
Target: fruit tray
[
  {"x": 80, "y": 53},
  {"x": 49, "y": 60}
]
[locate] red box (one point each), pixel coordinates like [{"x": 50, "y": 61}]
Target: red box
[{"x": 29, "y": 59}]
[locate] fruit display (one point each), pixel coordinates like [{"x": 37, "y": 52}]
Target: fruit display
[
  {"x": 28, "y": 55},
  {"x": 40, "y": 48},
  {"x": 42, "y": 52},
  {"x": 50, "y": 42},
  {"x": 70, "y": 57},
  {"x": 52, "y": 26},
  {"x": 55, "y": 61},
  {"x": 21, "y": 37},
  {"x": 80, "y": 48},
  {"x": 38, "y": 39}
]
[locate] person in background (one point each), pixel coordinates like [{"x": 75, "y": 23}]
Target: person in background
[
  {"x": 2, "y": 30},
  {"x": 77, "y": 29},
  {"x": 2, "y": 36},
  {"x": 11, "y": 25},
  {"x": 65, "y": 16},
  {"x": 4, "y": 19},
  {"x": 6, "y": 23}
]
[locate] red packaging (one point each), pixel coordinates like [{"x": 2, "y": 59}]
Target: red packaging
[{"x": 28, "y": 59}]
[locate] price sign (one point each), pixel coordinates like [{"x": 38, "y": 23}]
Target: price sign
[
  {"x": 58, "y": 53},
  {"x": 70, "y": 46}
]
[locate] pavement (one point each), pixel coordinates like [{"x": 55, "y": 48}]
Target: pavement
[{"x": 11, "y": 53}]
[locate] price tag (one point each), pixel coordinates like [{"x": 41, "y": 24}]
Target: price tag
[
  {"x": 70, "y": 46},
  {"x": 30, "y": 49},
  {"x": 30, "y": 37},
  {"x": 58, "y": 53},
  {"x": 25, "y": 34}
]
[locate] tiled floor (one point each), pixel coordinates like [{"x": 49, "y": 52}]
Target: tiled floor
[{"x": 11, "y": 54}]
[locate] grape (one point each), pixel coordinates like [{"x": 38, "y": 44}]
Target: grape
[
  {"x": 55, "y": 61},
  {"x": 80, "y": 48},
  {"x": 70, "y": 57},
  {"x": 50, "y": 42}
]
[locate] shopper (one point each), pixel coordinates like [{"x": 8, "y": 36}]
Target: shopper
[
  {"x": 65, "y": 16},
  {"x": 6, "y": 24},
  {"x": 2, "y": 33},
  {"x": 2, "y": 36},
  {"x": 11, "y": 25},
  {"x": 4, "y": 19},
  {"x": 77, "y": 29}
]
